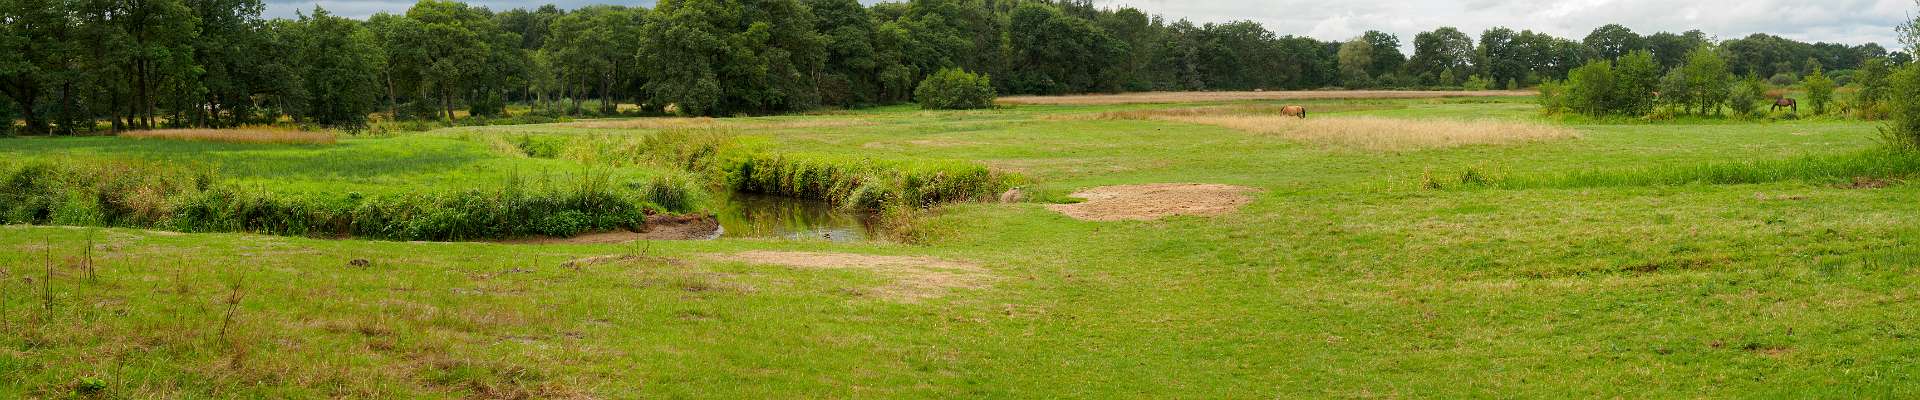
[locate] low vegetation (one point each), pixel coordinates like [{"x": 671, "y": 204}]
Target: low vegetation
[
  {"x": 142, "y": 194},
  {"x": 257, "y": 135},
  {"x": 955, "y": 89}
]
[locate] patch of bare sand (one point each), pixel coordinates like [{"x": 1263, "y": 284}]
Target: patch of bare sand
[
  {"x": 1155, "y": 201},
  {"x": 913, "y": 278}
]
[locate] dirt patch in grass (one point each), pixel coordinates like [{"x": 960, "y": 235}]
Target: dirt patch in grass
[
  {"x": 658, "y": 227},
  {"x": 1188, "y": 97},
  {"x": 913, "y": 278},
  {"x": 1867, "y": 183},
  {"x": 703, "y": 122},
  {"x": 261, "y": 135},
  {"x": 1155, "y": 201},
  {"x": 1387, "y": 134}
]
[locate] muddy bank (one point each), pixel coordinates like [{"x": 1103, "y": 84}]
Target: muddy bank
[{"x": 658, "y": 227}]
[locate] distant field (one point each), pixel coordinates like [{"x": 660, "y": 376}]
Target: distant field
[
  {"x": 1191, "y": 97},
  {"x": 1389, "y": 247}
]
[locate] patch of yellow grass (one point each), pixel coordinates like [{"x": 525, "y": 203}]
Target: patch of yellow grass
[
  {"x": 1387, "y": 134},
  {"x": 1245, "y": 109},
  {"x": 704, "y": 122},
  {"x": 1190, "y": 97},
  {"x": 255, "y": 135}
]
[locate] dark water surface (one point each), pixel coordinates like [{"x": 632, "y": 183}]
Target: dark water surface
[{"x": 746, "y": 215}]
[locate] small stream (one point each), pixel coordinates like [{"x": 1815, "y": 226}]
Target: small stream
[{"x": 746, "y": 215}]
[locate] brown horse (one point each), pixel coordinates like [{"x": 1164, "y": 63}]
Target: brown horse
[
  {"x": 1785, "y": 102},
  {"x": 1294, "y": 111}
]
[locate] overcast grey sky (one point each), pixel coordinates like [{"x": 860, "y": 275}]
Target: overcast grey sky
[{"x": 1843, "y": 21}]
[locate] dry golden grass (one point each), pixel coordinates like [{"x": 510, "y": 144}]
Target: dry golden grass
[
  {"x": 256, "y": 135},
  {"x": 1243, "y": 109},
  {"x": 1386, "y": 134},
  {"x": 704, "y": 122},
  {"x": 1189, "y": 97}
]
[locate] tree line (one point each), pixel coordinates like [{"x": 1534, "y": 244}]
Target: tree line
[{"x": 83, "y": 65}]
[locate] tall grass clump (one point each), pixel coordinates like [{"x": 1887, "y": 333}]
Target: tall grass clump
[
  {"x": 696, "y": 150},
  {"x": 1874, "y": 163},
  {"x": 865, "y": 183},
  {"x": 191, "y": 199}
]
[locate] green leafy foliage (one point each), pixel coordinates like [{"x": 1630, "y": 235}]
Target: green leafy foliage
[
  {"x": 955, "y": 89},
  {"x": 1746, "y": 97},
  {"x": 1903, "y": 97},
  {"x": 1819, "y": 90}
]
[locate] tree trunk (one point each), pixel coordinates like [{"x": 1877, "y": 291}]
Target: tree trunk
[
  {"x": 446, "y": 100},
  {"x": 393, "y": 103}
]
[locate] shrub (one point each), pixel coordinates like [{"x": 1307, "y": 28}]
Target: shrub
[
  {"x": 1476, "y": 83},
  {"x": 1552, "y": 98},
  {"x": 1903, "y": 99},
  {"x": 1819, "y": 90},
  {"x": 1872, "y": 80},
  {"x": 1746, "y": 97},
  {"x": 1636, "y": 77},
  {"x": 955, "y": 89},
  {"x": 1783, "y": 79},
  {"x": 1589, "y": 89}
]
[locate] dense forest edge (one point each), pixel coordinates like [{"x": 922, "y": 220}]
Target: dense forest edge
[{"x": 77, "y": 67}]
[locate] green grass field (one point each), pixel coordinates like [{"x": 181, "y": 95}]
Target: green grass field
[{"x": 1602, "y": 266}]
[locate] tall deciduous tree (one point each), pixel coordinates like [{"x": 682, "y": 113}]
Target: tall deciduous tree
[
  {"x": 715, "y": 58},
  {"x": 1612, "y": 41},
  {"x": 339, "y": 64},
  {"x": 1059, "y": 53},
  {"x": 1356, "y": 62},
  {"x": 1444, "y": 49}
]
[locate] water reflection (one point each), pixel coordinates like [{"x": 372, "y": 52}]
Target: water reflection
[{"x": 745, "y": 215}]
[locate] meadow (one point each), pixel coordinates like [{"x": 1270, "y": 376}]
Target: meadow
[{"x": 1428, "y": 248}]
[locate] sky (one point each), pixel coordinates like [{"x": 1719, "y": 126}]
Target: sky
[{"x": 1850, "y": 22}]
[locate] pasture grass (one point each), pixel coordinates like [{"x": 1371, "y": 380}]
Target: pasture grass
[{"x": 1343, "y": 278}]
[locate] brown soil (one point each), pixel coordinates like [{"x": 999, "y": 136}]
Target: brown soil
[
  {"x": 914, "y": 278},
  {"x": 658, "y": 227},
  {"x": 1867, "y": 183},
  {"x": 1155, "y": 201}
]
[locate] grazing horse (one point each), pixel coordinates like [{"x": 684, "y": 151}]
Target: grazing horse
[
  {"x": 1785, "y": 102},
  {"x": 1294, "y": 111}
]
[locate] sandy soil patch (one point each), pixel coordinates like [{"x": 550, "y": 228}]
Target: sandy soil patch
[
  {"x": 1155, "y": 201},
  {"x": 1188, "y": 97},
  {"x": 913, "y": 278}
]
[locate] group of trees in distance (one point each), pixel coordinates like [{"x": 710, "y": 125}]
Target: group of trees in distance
[{"x": 71, "y": 66}]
